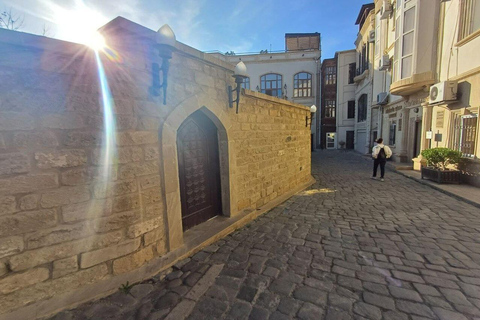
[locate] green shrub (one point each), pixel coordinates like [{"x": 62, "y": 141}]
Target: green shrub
[{"x": 440, "y": 158}]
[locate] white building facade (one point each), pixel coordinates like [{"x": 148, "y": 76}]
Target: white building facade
[
  {"x": 293, "y": 75},
  {"x": 345, "y": 115}
]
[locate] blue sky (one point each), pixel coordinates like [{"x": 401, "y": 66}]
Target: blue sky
[{"x": 224, "y": 25}]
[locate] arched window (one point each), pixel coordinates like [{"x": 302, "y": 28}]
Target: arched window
[
  {"x": 271, "y": 84},
  {"x": 362, "y": 108},
  {"x": 302, "y": 85},
  {"x": 246, "y": 83}
]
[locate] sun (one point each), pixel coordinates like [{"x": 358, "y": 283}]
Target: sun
[{"x": 79, "y": 24}]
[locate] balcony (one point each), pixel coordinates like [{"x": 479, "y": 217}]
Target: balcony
[
  {"x": 360, "y": 74},
  {"x": 412, "y": 84}
]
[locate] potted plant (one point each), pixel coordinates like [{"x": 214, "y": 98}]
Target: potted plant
[
  {"x": 439, "y": 162},
  {"x": 342, "y": 144}
]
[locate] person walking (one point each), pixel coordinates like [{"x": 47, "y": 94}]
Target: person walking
[{"x": 380, "y": 154}]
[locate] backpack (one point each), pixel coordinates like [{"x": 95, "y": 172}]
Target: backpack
[{"x": 381, "y": 154}]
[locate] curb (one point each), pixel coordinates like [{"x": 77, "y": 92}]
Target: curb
[{"x": 456, "y": 196}]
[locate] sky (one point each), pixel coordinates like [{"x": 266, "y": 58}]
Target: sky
[{"x": 207, "y": 25}]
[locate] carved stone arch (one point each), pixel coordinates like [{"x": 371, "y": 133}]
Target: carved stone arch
[{"x": 218, "y": 115}]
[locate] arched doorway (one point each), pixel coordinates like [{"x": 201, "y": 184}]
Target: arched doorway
[{"x": 199, "y": 170}]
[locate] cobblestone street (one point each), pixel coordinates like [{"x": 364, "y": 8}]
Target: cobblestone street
[{"x": 347, "y": 248}]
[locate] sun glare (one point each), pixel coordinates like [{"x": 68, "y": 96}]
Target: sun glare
[
  {"x": 79, "y": 24},
  {"x": 96, "y": 41}
]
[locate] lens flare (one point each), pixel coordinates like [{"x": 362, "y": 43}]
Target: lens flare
[
  {"x": 109, "y": 151},
  {"x": 96, "y": 41}
]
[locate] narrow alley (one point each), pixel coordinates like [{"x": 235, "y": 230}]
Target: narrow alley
[{"x": 347, "y": 248}]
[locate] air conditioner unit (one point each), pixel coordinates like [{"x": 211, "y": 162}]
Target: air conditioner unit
[
  {"x": 371, "y": 36},
  {"x": 382, "y": 98},
  {"x": 443, "y": 91},
  {"x": 386, "y": 9},
  {"x": 384, "y": 62}
]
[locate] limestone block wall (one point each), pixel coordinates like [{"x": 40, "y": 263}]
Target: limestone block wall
[{"x": 70, "y": 219}]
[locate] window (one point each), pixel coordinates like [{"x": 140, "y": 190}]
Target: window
[
  {"x": 330, "y": 75},
  {"x": 302, "y": 85},
  {"x": 469, "y": 18},
  {"x": 362, "y": 108},
  {"x": 392, "y": 134},
  {"x": 377, "y": 34},
  {"x": 404, "y": 40},
  {"x": 330, "y": 109},
  {"x": 351, "y": 109},
  {"x": 246, "y": 83},
  {"x": 271, "y": 84},
  {"x": 464, "y": 135},
  {"x": 351, "y": 72}
]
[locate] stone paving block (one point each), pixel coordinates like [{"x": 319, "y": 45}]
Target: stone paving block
[
  {"x": 378, "y": 300},
  {"x": 310, "y": 312},
  {"x": 367, "y": 310},
  {"x": 312, "y": 295},
  {"x": 405, "y": 294},
  {"x": 415, "y": 308}
]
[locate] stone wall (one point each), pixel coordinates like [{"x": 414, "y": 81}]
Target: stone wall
[{"x": 68, "y": 218}]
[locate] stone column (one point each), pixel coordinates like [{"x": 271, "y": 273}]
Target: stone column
[{"x": 403, "y": 154}]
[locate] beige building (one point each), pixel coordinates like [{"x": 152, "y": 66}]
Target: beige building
[
  {"x": 364, "y": 79},
  {"x": 425, "y": 75},
  {"x": 104, "y": 179},
  {"x": 454, "y": 101},
  {"x": 293, "y": 74},
  {"x": 345, "y": 115}
]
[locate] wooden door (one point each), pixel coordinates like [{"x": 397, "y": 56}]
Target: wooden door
[{"x": 199, "y": 170}]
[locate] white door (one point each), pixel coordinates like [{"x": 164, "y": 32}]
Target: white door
[{"x": 331, "y": 140}]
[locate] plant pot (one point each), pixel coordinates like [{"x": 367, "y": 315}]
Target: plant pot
[{"x": 441, "y": 176}]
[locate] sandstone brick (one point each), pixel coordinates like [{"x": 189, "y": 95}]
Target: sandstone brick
[
  {"x": 144, "y": 227},
  {"x": 64, "y": 266},
  {"x": 58, "y": 234},
  {"x": 116, "y": 221},
  {"x": 61, "y": 158},
  {"x": 104, "y": 190},
  {"x": 27, "y": 222},
  {"x": 29, "y": 202},
  {"x": 124, "y": 155},
  {"x": 35, "y": 139},
  {"x": 11, "y": 163},
  {"x": 7, "y": 205},
  {"x": 152, "y": 153},
  {"x": 28, "y": 183},
  {"x": 149, "y": 123},
  {"x": 48, "y": 289},
  {"x": 92, "y": 258},
  {"x": 77, "y": 176},
  {"x": 133, "y": 261},
  {"x": 153, "y": 181},
  {"x": 152, "y": 195},
  {"x": 87, "y": 210},
  {"x": 21, "y": 280},
  {"x": 10, "y": 246},
  {"x": 64, "y": 195},
  {"x": 154, "y": 235},
  {"x": 63, "y": 121},
  {"x": 126, "y": 203},
  {"x": 137, "y": 138},
  {"x": 3, "y": 269},
  {"x": 33, "y": 258},
  {"x": 154, "y": 210},
  {"x": 83, "y": 138},
  {"x": 132, "y": 170},
  {"x": 16, "y": 121}
]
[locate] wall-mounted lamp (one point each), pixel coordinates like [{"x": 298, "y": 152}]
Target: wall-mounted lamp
[
  {"x": 313, "y": 109},
  {"x": 239, "y": 74},
  {"x": 165, "y": 44}
]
